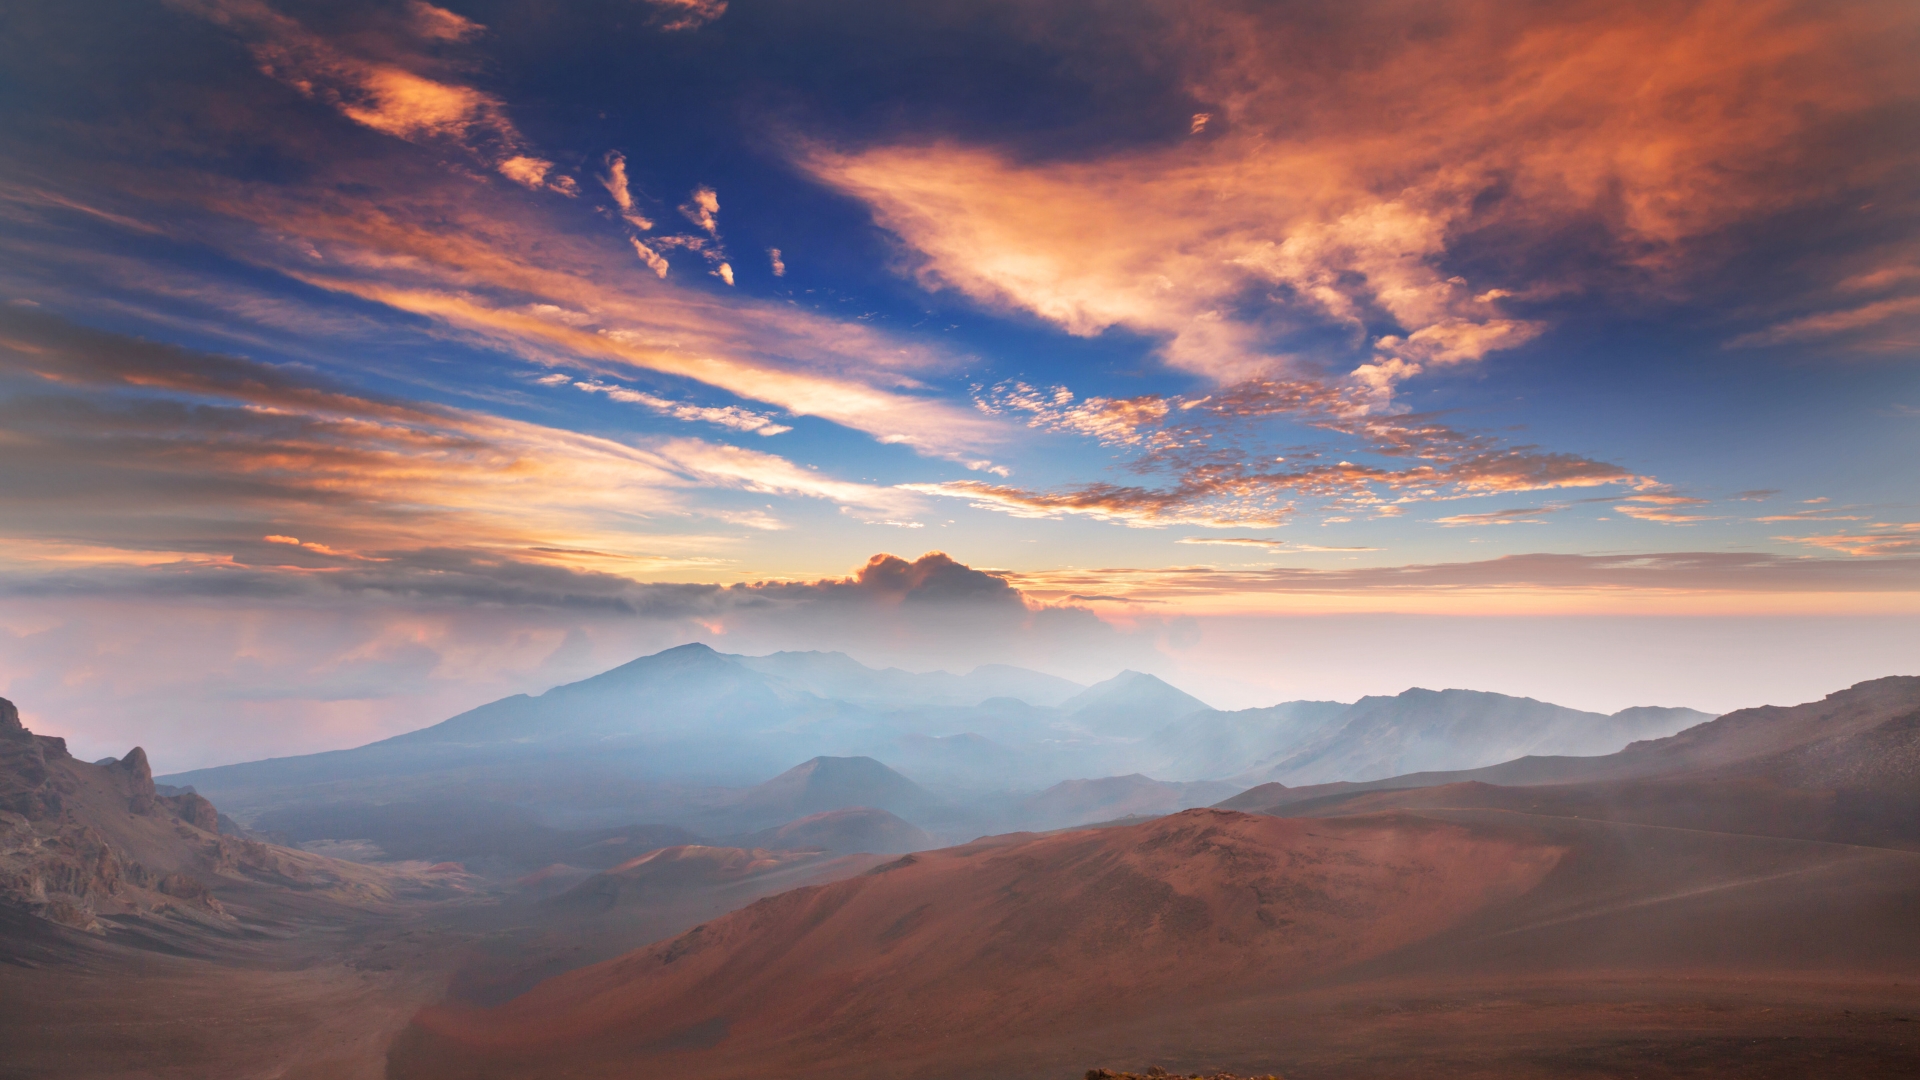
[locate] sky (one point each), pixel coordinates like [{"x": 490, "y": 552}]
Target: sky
[{"x": 361, "y": 362}]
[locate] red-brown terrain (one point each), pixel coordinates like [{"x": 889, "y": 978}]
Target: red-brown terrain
[
  {"x": 1845, "y": 768},
  {"x": 854, "y": 829},
  {"x": 137, "y": 941},
  {"x": 644, "y": 899},
  {"x": 1707, "y": 926},
  {"x": 1737, "y": 900},
  {"x": 945, "y": 952}
]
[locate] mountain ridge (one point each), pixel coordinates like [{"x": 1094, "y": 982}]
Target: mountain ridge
[{"x": 1435, "y": 730}]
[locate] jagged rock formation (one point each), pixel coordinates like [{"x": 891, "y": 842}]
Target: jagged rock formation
[{"x": 80, "y": 842}]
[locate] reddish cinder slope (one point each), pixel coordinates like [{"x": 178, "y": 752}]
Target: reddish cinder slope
[
  {"x": 856, "y": 828},
  {"x": 991, "y": 939}
]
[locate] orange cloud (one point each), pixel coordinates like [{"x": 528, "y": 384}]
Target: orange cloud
[
  {"x": 1889, "y": 540},
  {"x": 1123, "y": 422},
  {"x": 1665, "y": 517},
  {"x": 729, "y": 416},
  {"x": 496, "y": 272},
  {"x": 385, "y": 95},
  {"x": 439, "y": 24},
  {"x": 1354, "y": 161},
  {"x": 1681, "y": 581},
  {"x": 1665, "y": 509},
  {"x": 1899, "y": 312},
  {"x": 232, "y": 457},
  {"x": 1225, "y": 491},
  {"x": 616, "y": 184},
  {"x": 920, "y": 422},
  {"x": 1141, "y": 507},
  {"x": 1524, "y": 516},
  {"x": 703, "y": 208},
  {"x": 687, "y": 14}
]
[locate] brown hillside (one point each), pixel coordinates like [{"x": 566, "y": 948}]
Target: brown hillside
[
  {"x": 984, "y": 941},
  {"x": 854, "y": 829},
  {"x": 1846, "y": 770}
]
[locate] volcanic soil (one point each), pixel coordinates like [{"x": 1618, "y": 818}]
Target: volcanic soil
[{"x": 1438, "y": 942}]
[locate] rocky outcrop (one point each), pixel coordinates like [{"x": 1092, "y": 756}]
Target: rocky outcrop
[
  {"x": 139, "y": 780},
  {"x": 79, "y": 840},
  {"x": 26, "y": 786},
  {"x": 193, "y": 809}
]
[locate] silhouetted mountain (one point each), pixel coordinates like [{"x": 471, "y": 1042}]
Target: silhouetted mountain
[
  {"x": 831, "y": 783},
  {"x": 1132, "y": 704},
  {"x": 1845, "y": 768},
  {"x": 596, "y": 749},
  {"x": 1427, "y": 730},
  {"x": 849, "y": 831},
  {"x": 628, "y": 743},
  {"x": 1002, "y": 744},
  {"x": 839, "y": 676},
  {"x": 672, "y": 738},
  {"x": 1080, "y": 802},
  {"x": 960, "y": 760},
  {"x": 1212, "y": 745},
  {"x": 672, "y": 696}
]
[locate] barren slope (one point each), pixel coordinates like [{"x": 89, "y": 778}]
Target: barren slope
[
  {"x": 1453, "y": 944},
  {"x": 936, "y": 952}
]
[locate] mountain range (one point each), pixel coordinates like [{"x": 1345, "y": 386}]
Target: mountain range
[
  {"x": 1416, "y": 925},
  {"x": 1843, "y": 769},
  {"x": 1748, "y": 880},
  {"x": 1426, "y": 730},
  {"x": 678, "y": 736}
]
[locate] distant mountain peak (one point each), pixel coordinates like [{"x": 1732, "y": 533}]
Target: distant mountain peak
[
  {"x": 1132, "y": 703},
  {"x": 835, "y": 783},
  {"x": 837, "y": 676},
  {"x": 689, "y": 647},
  {"x": 1131, "y": 682}
]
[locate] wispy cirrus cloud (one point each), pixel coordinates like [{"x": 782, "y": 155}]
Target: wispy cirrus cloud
[
  {"x": 390, "y": 94},
  {"x": 672, "y": 15},
  {"x": 727, "y": 416},
  {"x": 1145, "y": 244},
  {"x": 1234, "y": 541},
  {"x": 1270, "y": 545},
  {"x": 1809, "y": 515},
  {"x": 131, "y": 453},
  {"x": 615, "y": 181},
  {"x": 495, "y": 272},
  {"x": 612, "y": 336},
  {"x": 1219, "y": 488},
  {"x": 1134, "y": 421},
  {"x": 1127, "y": 505},
  {"x": 1894, "y": 321},
  {"x": 1883, "y": 539},
  {"x": 1666, "y": 509},
  {"x": 1324, "y": 235},
  {"x": 1531, "y": 515},
  {"x": 406, "y": 233},
  {"x": 1543, "y": 582},
  {"x": 1348, "y": 174}
]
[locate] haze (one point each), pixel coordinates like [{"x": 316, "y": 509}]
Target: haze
[{"x": 553, "y": 491}]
